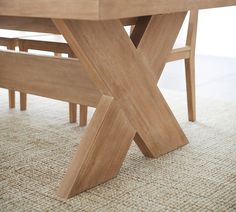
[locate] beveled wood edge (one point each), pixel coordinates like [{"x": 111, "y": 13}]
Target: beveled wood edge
[
  {"x": 44, "y": 25},
  {"x": 104, "y": 9},
  {"x": 113, "y": 9},
  {"x": 72, "y": 9}
]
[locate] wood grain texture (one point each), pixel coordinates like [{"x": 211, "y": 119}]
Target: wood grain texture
[
  {"x": 10, "y": 44},
  {"x": 100, "y": 154},
  {"x": 157, "y": 52},
  {"x": 72, "y": 113},
  {"x": 12, "y": 99},
  {"x": 69, "y": 9},
  {"x": 190, "y": 65},
  {"x": 117, "y": 77},
  {"x": 158, "y": 43},
  {"x": 23, "y": 101},
  {"x": 179, "y": 54},
  {"x": 103, "y": 9},
  {"x": 57, "y": 47},
  {"x": 155, "y": 45},
  {"x": 113, "y": 70},
  {"x": 23, "y": 96},
  {"x": 83, "y": 115},
  {"x": 44, "y": 25},
  {"x": 112, "y": 9},
  {"x": 57, "y": 78}
]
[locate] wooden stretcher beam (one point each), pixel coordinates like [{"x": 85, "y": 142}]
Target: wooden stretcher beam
[
  {"x": 44, "y": 25},
  {"x": 179, "y": 54},
  {"x": 45, "y": 46},
  {"x": 176, "y": 54},
  {"x": 57, "y": 78}
]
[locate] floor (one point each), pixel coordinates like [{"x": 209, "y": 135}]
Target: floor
[
  {"x": 36, "y": 147},
  {"x": 215, "y": 77}
]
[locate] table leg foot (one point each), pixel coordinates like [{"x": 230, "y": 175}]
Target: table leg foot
[{"x": 101, "y": 151}]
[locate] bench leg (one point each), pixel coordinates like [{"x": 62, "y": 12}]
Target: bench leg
[
  {"x": 12, "y": 102},
  {"x": 73, "y": 112},
  {"x": 83, "y": 115},
  {"x": 23, "y": 101}
]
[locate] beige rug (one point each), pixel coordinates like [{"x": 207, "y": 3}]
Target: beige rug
[{"x": 36, "y": 146}]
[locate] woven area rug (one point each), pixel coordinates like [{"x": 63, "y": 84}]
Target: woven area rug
[{"x": 37, "y": 145}]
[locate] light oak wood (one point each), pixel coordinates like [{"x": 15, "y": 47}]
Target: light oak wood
[
  {"x": 154, "y": 137},
  {"x": 58, "y": 78},
  {"x": 83, "y": 115},
  {"x": 119, "y": 74},
  {"x": 190, "y": 65},
  {"x": 111, "y": 9},
  {"x": 101, "y": 151},
  {"x": 23, "y": 101},
  {"x": 73, "y": 112},
  {"x": 180, "y": 53},
  {"x": 43, "y": 25},
  {"x": 57, "y": 47},
  {"x": 11, "y": 95},
  {"x": 23, "y": 96},
  {"x": 187, "y": 52},
  {"x": 115, "y": 69},
  {"x": 103, "y": 9},
  {"x": 72, "y": 106},
  {"x": 25, "y": 45},
  {"x": 79, "y": 9},
  {"x": 156, "y": 44}
]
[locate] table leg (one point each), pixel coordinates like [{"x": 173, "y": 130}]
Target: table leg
[
  {"x": 120, "y": 71},
  {"x": 101, "y": 151}
]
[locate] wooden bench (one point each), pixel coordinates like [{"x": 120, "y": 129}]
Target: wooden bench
[
  {"x": 42, "y": 43},
  {"x": 55, "y": 43}
]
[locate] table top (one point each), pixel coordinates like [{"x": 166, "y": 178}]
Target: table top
[{"x": 102, "y": 9}]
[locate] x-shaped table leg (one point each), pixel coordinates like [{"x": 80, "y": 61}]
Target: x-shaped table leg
[{"x": 131, "y": 103}]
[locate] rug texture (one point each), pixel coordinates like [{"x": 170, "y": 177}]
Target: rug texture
[{"x": 37, "y": 145}]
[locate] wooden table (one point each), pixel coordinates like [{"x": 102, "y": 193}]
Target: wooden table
[{"x": 115, "y": 73}]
